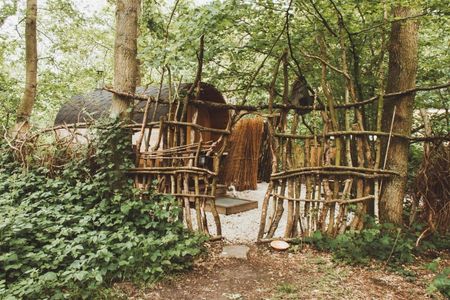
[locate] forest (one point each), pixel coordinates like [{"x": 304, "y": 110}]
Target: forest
[{"x": 144, "y": 142}]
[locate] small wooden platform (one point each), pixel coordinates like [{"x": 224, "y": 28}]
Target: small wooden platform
[{"x": 228, "y": 205}]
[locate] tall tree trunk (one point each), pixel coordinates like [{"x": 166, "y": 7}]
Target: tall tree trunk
[
  {"x": 401, "y": 76},
  {"x": 138, "y": 34},
  {"x": 125, "y": 50},
  {"x": 26, "y": 104}
]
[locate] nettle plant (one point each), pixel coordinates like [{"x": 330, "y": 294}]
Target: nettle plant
[{"x": 65, "y": 233}]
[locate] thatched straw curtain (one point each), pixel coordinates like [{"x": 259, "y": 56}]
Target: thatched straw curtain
[{"x": 240, "y": 168}]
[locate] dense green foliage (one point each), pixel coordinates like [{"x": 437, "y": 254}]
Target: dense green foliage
[
  {"x": 65, "y": 233},
  {"x": 75, "y": 41},
  {"x": 383, "y": 242},
  {"x": 74, "y": 54},
  {"x": 240, "y": 34}
]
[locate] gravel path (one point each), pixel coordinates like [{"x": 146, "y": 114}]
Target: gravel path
[{"x": 243, "y": 227}]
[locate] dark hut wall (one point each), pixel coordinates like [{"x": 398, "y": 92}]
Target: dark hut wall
[{"x": 97, "y": 104}]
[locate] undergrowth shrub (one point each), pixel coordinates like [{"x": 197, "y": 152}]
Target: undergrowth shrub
[
  {"x": 64, "y": 234},
  {"x": 384, "y": 242},
  {"x": 359, "y": 247},
  {"x": 441, "y": 281}
]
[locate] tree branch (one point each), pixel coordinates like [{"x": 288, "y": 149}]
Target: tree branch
[
  {"x": 337, "y": 70},
  {"x": 244, "y": 99},
  {"x": 282, "y": 106},
  {"x": 324, "y": 22}
]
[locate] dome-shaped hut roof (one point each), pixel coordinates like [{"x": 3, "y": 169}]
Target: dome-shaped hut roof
[{"x": 96, "y": 104}]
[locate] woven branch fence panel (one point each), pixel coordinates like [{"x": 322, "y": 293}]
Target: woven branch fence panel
[{"x": 320, "y": 182}]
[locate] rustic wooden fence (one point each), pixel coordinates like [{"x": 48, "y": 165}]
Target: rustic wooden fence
[
  {"x": 173, "y": 155},
  {"x": 330, "y": 188}
]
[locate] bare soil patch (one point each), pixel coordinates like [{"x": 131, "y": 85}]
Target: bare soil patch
[{"x": 268, "y": 274}]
